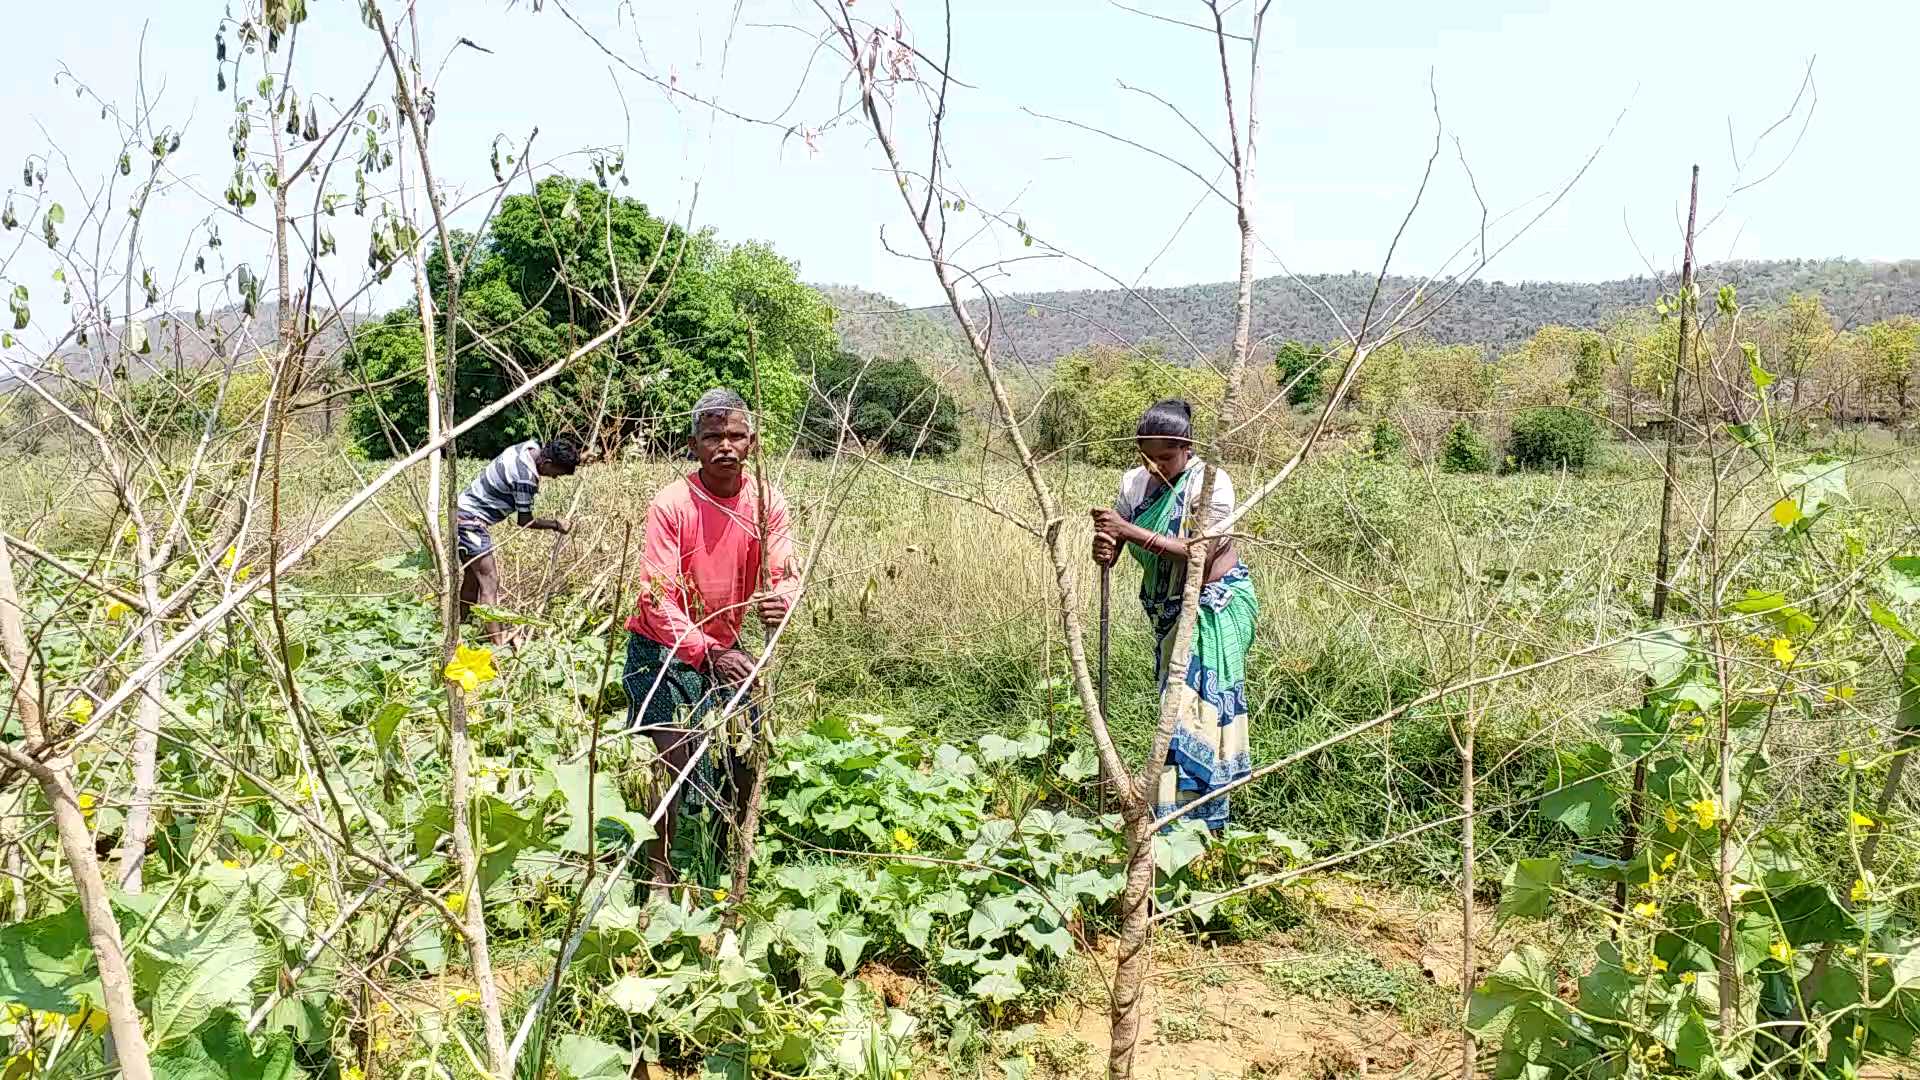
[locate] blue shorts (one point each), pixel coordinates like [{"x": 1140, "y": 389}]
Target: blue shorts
[{"x": 475, "y": 537}]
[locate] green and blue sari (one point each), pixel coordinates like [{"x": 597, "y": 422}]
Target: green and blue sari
[{"x": 1209, "y": 748}]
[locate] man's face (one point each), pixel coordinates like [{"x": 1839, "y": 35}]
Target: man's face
[{"x": 723, "y": 443}]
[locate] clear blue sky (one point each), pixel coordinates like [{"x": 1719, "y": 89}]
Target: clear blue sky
[{"x": 1530, "y": 87}]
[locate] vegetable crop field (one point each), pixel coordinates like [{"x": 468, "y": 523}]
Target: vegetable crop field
[
  {"x": 470, "y": 609},
  {"x": 932, "y": 894}
]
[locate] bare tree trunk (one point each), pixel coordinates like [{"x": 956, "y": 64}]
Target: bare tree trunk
[
  {"x": 1134, "y": 952},
  {"x": 1136, "y": 895},
  {"x": 138, "y": 832},
  {"x": 442, "y": 501},
  {"x": 55, "y": 777}
]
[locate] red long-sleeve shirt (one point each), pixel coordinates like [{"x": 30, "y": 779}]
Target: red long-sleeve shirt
[{"x": 700, "y": 561}]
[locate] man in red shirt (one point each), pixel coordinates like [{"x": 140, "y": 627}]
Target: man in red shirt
[{"x": 701, "y": 567}]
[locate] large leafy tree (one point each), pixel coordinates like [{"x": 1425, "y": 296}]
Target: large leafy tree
[
  {"x": 890, "y": 405},
  {"x": 549, "y": 270}
]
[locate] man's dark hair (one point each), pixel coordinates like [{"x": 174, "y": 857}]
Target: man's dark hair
[
  {"x": 562, "y": 452},
  {"x": 1168, "y": 418}
]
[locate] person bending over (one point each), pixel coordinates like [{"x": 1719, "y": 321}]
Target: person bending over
[{"x": 507, "y": 486}]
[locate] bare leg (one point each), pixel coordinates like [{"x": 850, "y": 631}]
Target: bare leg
[
  {"x": 675, "y": 749},
  {"x": 469, "y": 590},
  {"x": 485, "y": 574}
]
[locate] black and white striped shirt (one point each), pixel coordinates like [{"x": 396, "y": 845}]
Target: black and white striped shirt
[{"x": 506, "y": 486}]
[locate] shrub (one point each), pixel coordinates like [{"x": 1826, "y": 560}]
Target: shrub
[
  {"x": 1297, "y": 366},
  {"x": 892, "y": 406},
  {"x": 1465, "y": 450},
  {"x": 1388, "y": 442},
  {"x": 1553, "y": 438}
]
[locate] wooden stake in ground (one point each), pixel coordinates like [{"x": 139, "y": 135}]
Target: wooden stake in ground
[
  {"x": 1662, "y": 553},
  {"x": 751, "y": 788},
  {"x": 1106, "y": 635}
]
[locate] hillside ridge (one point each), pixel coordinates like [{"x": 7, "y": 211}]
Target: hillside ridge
[{"x": 1041, "y": 327}]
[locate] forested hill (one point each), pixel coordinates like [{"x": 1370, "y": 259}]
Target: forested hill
[{"x": 1044, "y": 326}]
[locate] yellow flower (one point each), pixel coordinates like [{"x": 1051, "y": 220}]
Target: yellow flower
[
  {"x": 457, "y": 902},
  {"x": 464, "y": 997},
  {"x": 86, "y": 803},
  {"x": 1783, "y": 650},
  {"x": 1786, "y": 512},
  {"x": 1667, "y": 863},
  {"x": 1844, "y": 757},
  {"x": 243, "y": 573},
  {"x": 1653, "y": 879},
  {"x": 904, "y": 840},
  {"x": 275, "y": 851},
  {"x": 1860, "y": 890},
  {"x": 81, "y": 709},
  {"x": 1879, "y": 961},
  {"x": 304, "y": 788},
  {"x": 299, "y": 870},
  {"x": 471, "y": 667},
  {"x": 1630, "y": 967},
  {"x": 1706, "y": 812},
  {"x": 1658, "y": 964},
  {"x": 94, "y": 1019},
  {"x": 1861, "y": 821},
  {"x": 1852, "y": 950},
  {"x": 1689, "y": 977},
  {"x": 117, "y": 610},
  {"x": 1846, "y": 693},
  {"x": 1781, "y": 951},
  {"x": 1859, "y": 1032},
  {"x": 382, "y": 1044},
  {"x": 231, "y": 864},
  {"x": 352, "y": 1072},
  {"x": 719, "y": 896},
  {"x": 1646, "y": 909},
  {"x": 1671, "y": 817}
]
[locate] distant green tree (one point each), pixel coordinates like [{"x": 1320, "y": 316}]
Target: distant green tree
[
  {"x": 1099, "y": 393},
  {"x": 1455, "y": 377},
  {"x": 546, "y": 274},
  {"x": 1802, "y": 331},
  {"x": 1890, "y": 350},
  {"x": 1298, "y": 367},
  {"x": 1588, "y": 384},
  {"x": 891, "y": 405}
]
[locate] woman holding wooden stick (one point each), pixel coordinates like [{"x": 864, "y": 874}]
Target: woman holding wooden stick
[{"x": 1153, "y": 517}]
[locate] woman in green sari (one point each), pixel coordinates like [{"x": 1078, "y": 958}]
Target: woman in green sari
[{"x": 1151, "y": 518}]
